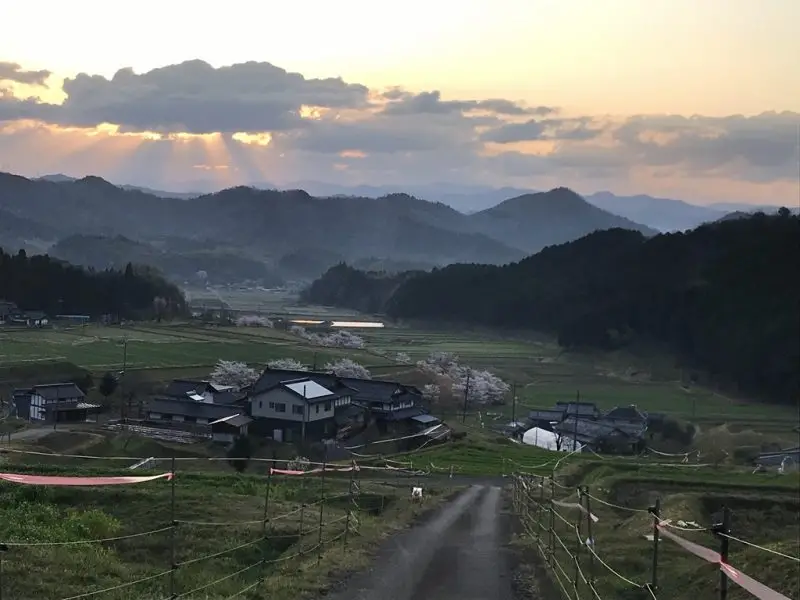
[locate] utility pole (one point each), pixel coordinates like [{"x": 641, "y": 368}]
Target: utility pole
[
  {"x": 314, "y": 366},
  {"x": 122, "y": 377},
  {"x": 514, "y": 402},
  {"x": 305, "y": 413},
  {"x": 466, "y": 396}
]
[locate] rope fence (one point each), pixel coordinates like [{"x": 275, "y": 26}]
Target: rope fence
[
  {"x": 558, "y": 519},
  {"x": 325, "y": 515}
]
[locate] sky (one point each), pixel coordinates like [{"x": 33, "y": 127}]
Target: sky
[{"x": 691, "y": 99}]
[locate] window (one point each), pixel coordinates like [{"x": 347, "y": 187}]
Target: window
[
  {"x": 297, "y": 410},
  {"x": 272, "y": 405},
  {"x": 328, "y": 405},
  {"x": 317, "y": 407},
  {"x": 280, "y": 407},
  {"x": 260, "y": 404}
]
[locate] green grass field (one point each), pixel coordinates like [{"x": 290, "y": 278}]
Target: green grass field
[
  {"x": 218, "y": 541},
  {"x": 541, "y": 373},
  {"x": 764, "y": 509}
]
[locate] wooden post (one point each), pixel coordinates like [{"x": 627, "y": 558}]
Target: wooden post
[
  {"x": 265, "y": 520},
  {"x": 466, "y": 396},
  {"x": 173, "y": 521},
  {"x": 578, "y": 548},
  {"x": 724, "y": 530},
  {"x": 349, "y": 503},
  {"x": 656, "y": 511},
  {"x": 3, "y": 550},
  {"x": 551, "y": 546},
  {"x": 322, "y": 505},
  {"x": 540, "y": 509},
  {"x": 302, "y": 512},
  {"x": 590, "y": 540}
]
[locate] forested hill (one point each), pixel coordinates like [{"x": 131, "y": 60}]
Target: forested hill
[
  {"x": 724, "y": 297},
  {"x": 41, "y": 283}
]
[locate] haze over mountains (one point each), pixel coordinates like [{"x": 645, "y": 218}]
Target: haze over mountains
[
  {"x": 662, "y": 214},
  {"x": 269, "y": 236}
]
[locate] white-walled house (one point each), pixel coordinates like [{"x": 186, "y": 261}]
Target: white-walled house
[
  {"x": 53, "y": 402},
  {"x": 294, "y": 409},
  {"x": 227, "y": 429}
]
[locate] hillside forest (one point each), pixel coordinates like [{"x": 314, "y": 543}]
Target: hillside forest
[
  {"x": 41, "y": 283},
  {"x": 722, "y": 298}
]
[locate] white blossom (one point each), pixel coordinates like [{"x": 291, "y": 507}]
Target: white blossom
[
  {"x": 430, "y": 392},
  {"x": 254, "y": 321},
  {"x": 337, "y": 339},
  {"x": 287, "y": 364},
  {"x": 484, "y": 387},
  {"x": 345, "y": 367},
  {"x": 402, "y": 357},
  {"x": 229, "y": 372}
]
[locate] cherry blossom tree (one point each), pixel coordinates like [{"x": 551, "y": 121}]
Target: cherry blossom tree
[
  {"x": 345, "y": 367},
  {"x": 337, "y": 339},
  {"x": 237, "y": 374},
  {"x": 430, "y": 392},
  {"x": 402, "y": 357},
  {"x": 288, "y": 364},
  {"x": 482, "y": 387}
]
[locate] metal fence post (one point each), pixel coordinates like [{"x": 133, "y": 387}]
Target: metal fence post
[{"x": 656, "y": 512}]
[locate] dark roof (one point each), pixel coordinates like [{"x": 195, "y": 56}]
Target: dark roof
[
  {"x": 178, "y": 388},
  {"x": 626, "y": 413},
  {"x": 365, "y": 390},
  {"x": 272, "y": 377},
  {"x": 587, "y": 431},
  {"x": 402, "y": 414},
  {"x": 228, "y": 397},
  {"x": 54, "y": 391},
  {"x": 578, "y": 408},
  {"x": 546, "y": 415},
  {"x": 292, "y": 389},
  {"x": 426, "y": 419},
  {"x": 190, "y": 408}
]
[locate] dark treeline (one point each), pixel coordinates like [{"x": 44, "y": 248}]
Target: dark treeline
[
  {"x": 42, "y": 283},
  {"x": 365, "y": 291},
  {"x": 724, "y": 298}
]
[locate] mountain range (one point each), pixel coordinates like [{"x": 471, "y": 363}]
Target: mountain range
[{"x": 281, "y": 229}]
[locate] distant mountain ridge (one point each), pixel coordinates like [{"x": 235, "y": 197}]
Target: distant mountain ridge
[{"x": 267, "y": 225}]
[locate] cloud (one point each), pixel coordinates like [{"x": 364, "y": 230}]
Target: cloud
[
  {"x": 194, "y": 97},
  {"x": 14, "y": 72},
  {"x": 275, "y": 124}
]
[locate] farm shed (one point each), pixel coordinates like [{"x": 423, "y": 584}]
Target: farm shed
[{"x": 227, "y": 429}]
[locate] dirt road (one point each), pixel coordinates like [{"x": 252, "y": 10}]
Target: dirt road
[{"x": 458, "y": 554}]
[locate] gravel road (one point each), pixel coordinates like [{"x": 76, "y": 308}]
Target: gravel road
[{"x": 458, "y": 554}]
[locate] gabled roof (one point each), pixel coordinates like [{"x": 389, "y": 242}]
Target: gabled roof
[
  {"x": 587, "y": 431},
  {"x": 578, "y": 408},
  {"x": 54, "y": 391},
  {"x": 179, "y": 388},
  {"x": 190, "y": 408},
  {"x": 626, "y": 413},
  {"x": 546, "y": 415},
  {"x": 379, "y": 390},
  {"x": 307, "y": 388},
  {"x": 272, "y": 377}
]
